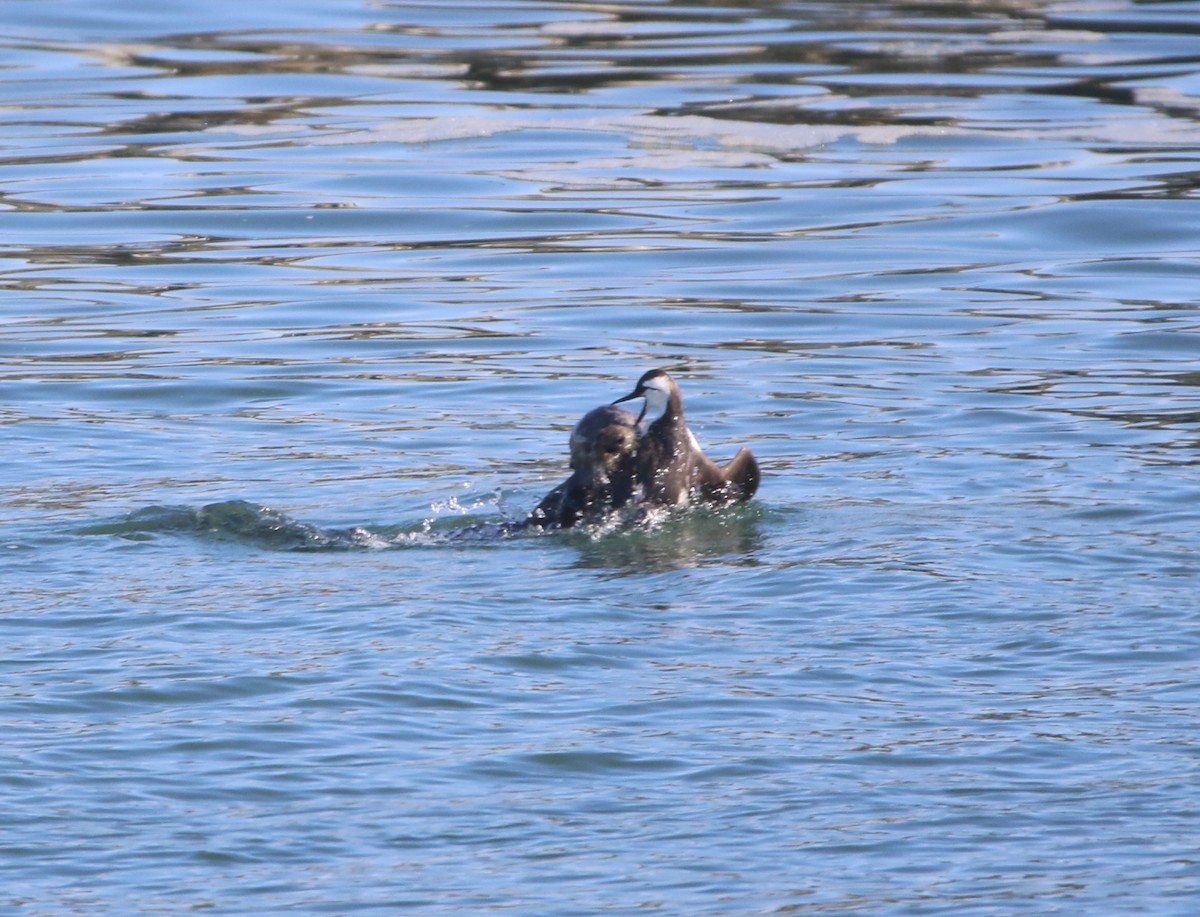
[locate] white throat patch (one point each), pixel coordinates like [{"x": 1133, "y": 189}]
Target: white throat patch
[{"x": 657, "y": 396}]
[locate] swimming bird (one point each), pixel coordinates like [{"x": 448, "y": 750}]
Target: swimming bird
[
  {"x": 603, "y": 471},
  {"x": 672, "y": 469}
]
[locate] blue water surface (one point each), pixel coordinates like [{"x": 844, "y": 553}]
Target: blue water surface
[{"x": 298, "y": 307}]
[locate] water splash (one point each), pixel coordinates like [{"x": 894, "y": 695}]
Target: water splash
[{"x": 262, "y": 526}]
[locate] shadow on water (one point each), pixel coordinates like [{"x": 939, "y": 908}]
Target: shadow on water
[{"x": 646, "y": 540}]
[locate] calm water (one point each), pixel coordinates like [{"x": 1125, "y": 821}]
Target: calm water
[{"x": 342, "y": 275}]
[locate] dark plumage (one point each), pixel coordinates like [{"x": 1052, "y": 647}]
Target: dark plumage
[
  {"x": 603, "y": 471},
  {"x": 671, "y": 468}
]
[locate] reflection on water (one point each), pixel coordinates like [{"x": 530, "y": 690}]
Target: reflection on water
[
  {"x": 730, "y": 536},
  {"x": 367, "y": 264}
]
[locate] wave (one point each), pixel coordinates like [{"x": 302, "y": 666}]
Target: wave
[{"x": 251, "y": 523}]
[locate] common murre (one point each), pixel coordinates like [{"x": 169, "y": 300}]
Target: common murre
[{"x": 671, "y": 468}]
